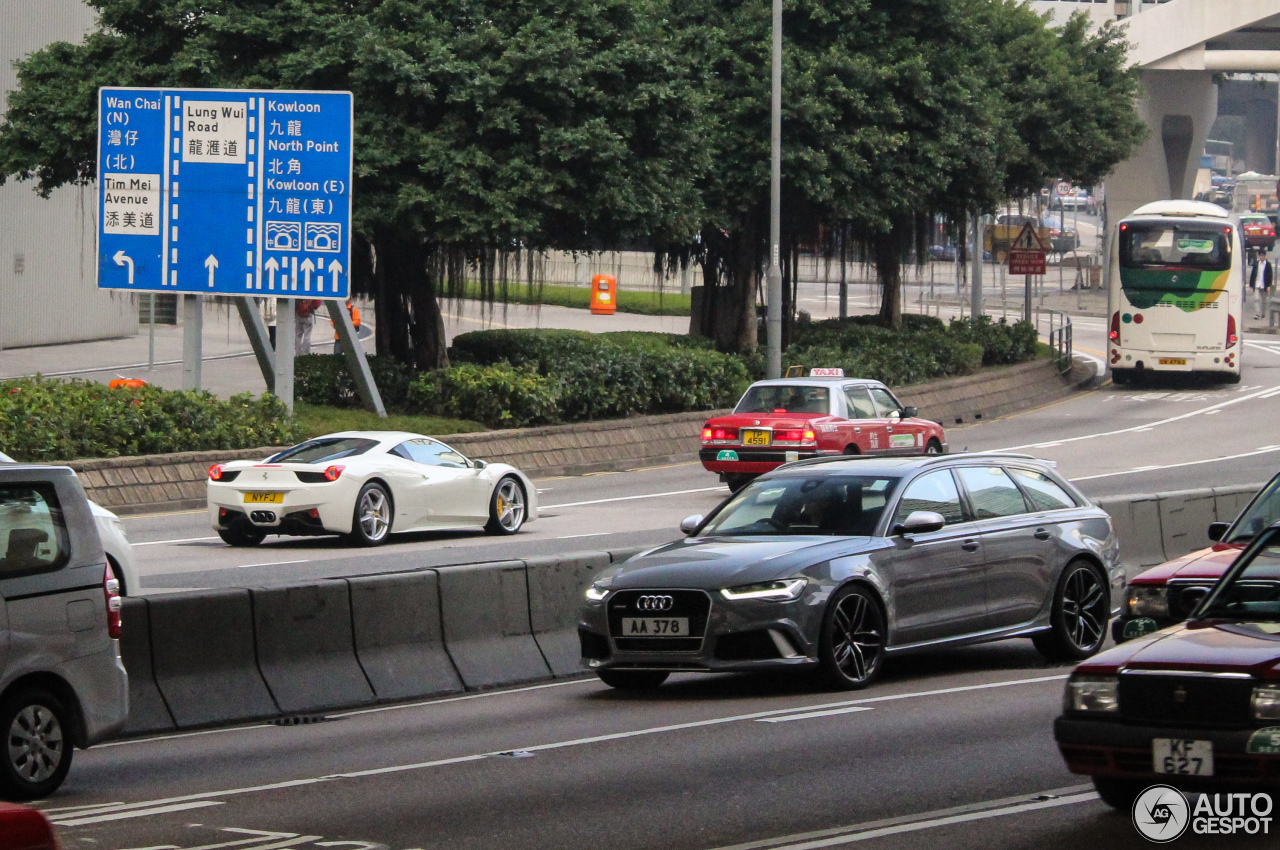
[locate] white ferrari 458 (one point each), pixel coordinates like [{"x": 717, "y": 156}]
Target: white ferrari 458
[{"x": 364, "y": 485}]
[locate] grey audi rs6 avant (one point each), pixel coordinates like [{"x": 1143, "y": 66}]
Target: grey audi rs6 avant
[{"x": 836, "y": 563}]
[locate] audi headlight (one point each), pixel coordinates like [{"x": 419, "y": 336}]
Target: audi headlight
[
  {"x": 1092, "y": 693},
  {"x": 1266, "y": 702},
  {"x": 772, "y": 591},
  {"x": 1148, "y": 601},
  {"x": 598, "y": 591}
]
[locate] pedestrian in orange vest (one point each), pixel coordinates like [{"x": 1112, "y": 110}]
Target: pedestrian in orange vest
[{"x": 354, "y": 311}]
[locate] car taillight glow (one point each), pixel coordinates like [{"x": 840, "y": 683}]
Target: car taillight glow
[
  {"x": 111, "y": 590},
  {"x": 795, "y": 435},
  {"x": 1115, "y": 327},
  {"x": 215, "y": 472},
  {"x": 706, "y": 434},
  {"x": 1232, "y": 338},
  {"x": 332, "y": 473}
]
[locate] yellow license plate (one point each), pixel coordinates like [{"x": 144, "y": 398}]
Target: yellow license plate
[
  {"x": 1173, "y": 361},
  {"x": 755, "y": 438},
  {"x": 263, "y": 498}
]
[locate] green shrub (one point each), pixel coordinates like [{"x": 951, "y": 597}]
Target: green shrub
[
  {"x": 1001, "y": 342},
  {"x": 51, "y": 420},
  {"x": 324, "y": 379},
  {"x": 500, "y": 396}
]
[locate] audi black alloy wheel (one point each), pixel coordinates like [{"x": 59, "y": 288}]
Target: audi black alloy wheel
[{"x": 852, "y": 648}]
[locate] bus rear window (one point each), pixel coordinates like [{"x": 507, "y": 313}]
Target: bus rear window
[{"x": 1155, "y": 245}]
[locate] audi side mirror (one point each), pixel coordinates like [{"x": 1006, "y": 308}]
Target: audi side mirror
[
  {"x": 1218, "y": 529},
  {"x": 690, "y": 523},
  {"x": 919, "y": 522},
  {"x": 478, "y": 465},
  {"x": 910, "y": 412}
]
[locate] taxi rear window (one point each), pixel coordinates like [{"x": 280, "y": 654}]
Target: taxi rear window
[{"x": 774, "y": 398}]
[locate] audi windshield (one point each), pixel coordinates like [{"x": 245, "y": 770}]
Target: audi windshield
[{"x": 836, "y": 505}]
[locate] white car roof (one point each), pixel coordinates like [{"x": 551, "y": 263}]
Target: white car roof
[
  {"x": 1180, "y": 207},
  {"x": 815, "y": 382}
]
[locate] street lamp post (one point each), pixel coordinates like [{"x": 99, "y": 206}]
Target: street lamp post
[{"x": 773, "y": 316}]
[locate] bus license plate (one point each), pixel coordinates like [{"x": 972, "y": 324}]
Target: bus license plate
[
  {"x": 755, "y": 438},
  {"x": 263, "y": 498},
  {"x": 1173, "y": 361},
  {"x": 1182, "y": 757},
  {"x": 655, "y": 626}
]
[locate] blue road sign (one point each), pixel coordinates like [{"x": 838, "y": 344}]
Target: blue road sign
[{"x": 225, "y": 191}]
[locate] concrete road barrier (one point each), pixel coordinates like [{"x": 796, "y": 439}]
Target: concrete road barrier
[
  {"x": 485, "y": 611},
  {"x": 1136, "y": 520},
  {"x": 306, "y": 649},
  {"x": 1231, "y": 501},
  {"x": 1184, "y": 520},
  {"x": 398, "y": 637},
  {"x": 147, "y": 711},
  {"x": 202, "y": 651},
  {"x": 556, "y": 584}
]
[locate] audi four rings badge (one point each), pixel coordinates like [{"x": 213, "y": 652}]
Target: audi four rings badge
[{"x": 655, "y": 603}]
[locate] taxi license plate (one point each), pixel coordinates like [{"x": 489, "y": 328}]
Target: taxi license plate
[
  {"x": 755, "y": 438},
  {"x": 655, "y": 626},
  {"x": 1173, "y": 361},
  {"x": 1182, "y": 756},
  {"x": 263, "y": 498}
]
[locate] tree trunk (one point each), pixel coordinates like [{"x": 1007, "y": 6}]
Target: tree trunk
[{"x": 889, "y": 273}]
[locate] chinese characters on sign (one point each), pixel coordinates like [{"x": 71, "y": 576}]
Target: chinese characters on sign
[{"x": 193, "y": 180}]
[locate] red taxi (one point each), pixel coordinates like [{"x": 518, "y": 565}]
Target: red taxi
[
  {"x": 1259, "y": 232},
  {"x": 789, "y": 419},
  {"x": 1168, "y": 593}
]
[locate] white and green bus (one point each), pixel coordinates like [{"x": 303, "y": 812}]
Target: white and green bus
[{"x": 1176, "y": 292}]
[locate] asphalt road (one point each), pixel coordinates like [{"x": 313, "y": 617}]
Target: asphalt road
[{"x": 950, "y": 750}]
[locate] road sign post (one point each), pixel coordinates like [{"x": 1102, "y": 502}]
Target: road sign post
[
  {"x": 1027, "y": 257},
  {"x": 230, "y": 192}
]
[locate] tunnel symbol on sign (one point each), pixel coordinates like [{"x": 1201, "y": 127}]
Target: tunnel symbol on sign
[
  {"x": 324, "y": 237},
  {"x": 284, "y": 235}
]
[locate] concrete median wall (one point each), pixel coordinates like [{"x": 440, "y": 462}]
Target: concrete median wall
[{"x": 226, "y": 656}]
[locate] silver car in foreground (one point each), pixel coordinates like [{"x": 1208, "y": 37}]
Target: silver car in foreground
[{"x": 837, "y": 563}]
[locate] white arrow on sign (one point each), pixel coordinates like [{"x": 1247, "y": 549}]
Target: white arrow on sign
[
  {"x": 272, "y": 266},
  {"x": 335, "y": 268},
  {"x": 211, "y": 263},
  {"x": 123, "y": 259},
  {"x": 308, "y": 267}
]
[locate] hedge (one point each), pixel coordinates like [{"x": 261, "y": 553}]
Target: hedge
[{"x": 45, "y": 420}]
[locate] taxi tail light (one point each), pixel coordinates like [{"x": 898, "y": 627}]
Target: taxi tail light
[
  {"x": 706, "y": 434},
  {"x": 1232, "y": 338},
  {"x": 215, "y": 472},
  {"x": 709, "y": 434},
  {"x": 795, "y": 435},
  {"x": 111, "y": 593},
  {"x": 1114, "y": 336},
  {"x": 332, "y": 473}
]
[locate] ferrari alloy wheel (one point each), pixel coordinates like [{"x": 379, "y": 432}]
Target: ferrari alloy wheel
[
  {"x": 506, "y": 507},
  {"x": 373, "y": 514},
  {"x": 853, "y": 639},
  {"x": 1079, "y": 616},
  {"x": 37, "y": 745}
]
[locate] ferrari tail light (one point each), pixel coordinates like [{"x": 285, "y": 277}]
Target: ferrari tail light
[
  {"x": 111, "y": 592},
  {"x": 332, "y": 473},
  {"x": 215, "y": 472},
  {"x": 1232, "y": 338},
  {"x": 1115, "y": 327}
]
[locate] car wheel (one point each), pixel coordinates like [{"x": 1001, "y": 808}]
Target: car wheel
[
  {"x": 506, "y": 507},
  {"x": 238, "y": 535},
  {"x": 934, "y": 447},
  {"x": 1079, "y": 616},
  {"x": 1231, "y": 377},
  {"x": 37, "y": 745},
  {"x": 1118, "y": 793},
  {"x": 1120, "y": 377},
  {"x": 851, "y": 651},
  {"x": 737, "y": 481},
  {"x": 371, "y": 520},
  {"x": 633, "y": 680},
  {"x": 852, "y": 449}
]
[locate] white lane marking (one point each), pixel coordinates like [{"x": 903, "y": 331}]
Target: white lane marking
[
  {"x": 1254, "y": 453},
  {"x": 1148, "y": 425},
  {"x": 382, "y": 771},
  {"x": 181, "y": 540},
  {"x": 81, "y": 809},
  {"x": 272, "y": 564},
  {"x": 928, "y": 820},
  {"x": 592, "y": 534},
  {"x": 631, "y": 498},
  {"x": 136, "y": 813},
  {"x": 788, "y": 718}
]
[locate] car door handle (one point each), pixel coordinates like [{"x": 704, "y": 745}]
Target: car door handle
[
  {"x": 969, "y": 546},
  {"x": 1041, "y": 534}
]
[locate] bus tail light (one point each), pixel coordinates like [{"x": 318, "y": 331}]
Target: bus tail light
[
  {"x": 1114, "y": 336},
  {"x": 1232, "y": 338}
]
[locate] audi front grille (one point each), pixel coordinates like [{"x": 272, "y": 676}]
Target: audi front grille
[{"x": 662, "y": 604}]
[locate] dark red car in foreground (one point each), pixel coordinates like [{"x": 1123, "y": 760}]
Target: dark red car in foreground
[
  {"x": 1195, "y": 706},
  {"x": 24, "y": 828},
  {"x": 1166, "y": 594}
]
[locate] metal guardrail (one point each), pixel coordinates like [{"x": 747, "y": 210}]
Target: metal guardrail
[{"x": 1058, "y": 334}]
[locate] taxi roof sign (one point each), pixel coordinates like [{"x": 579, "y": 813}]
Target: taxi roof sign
[
  {"x": 826, "y": 373},
  {"x": 1028, "y": 240}
]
